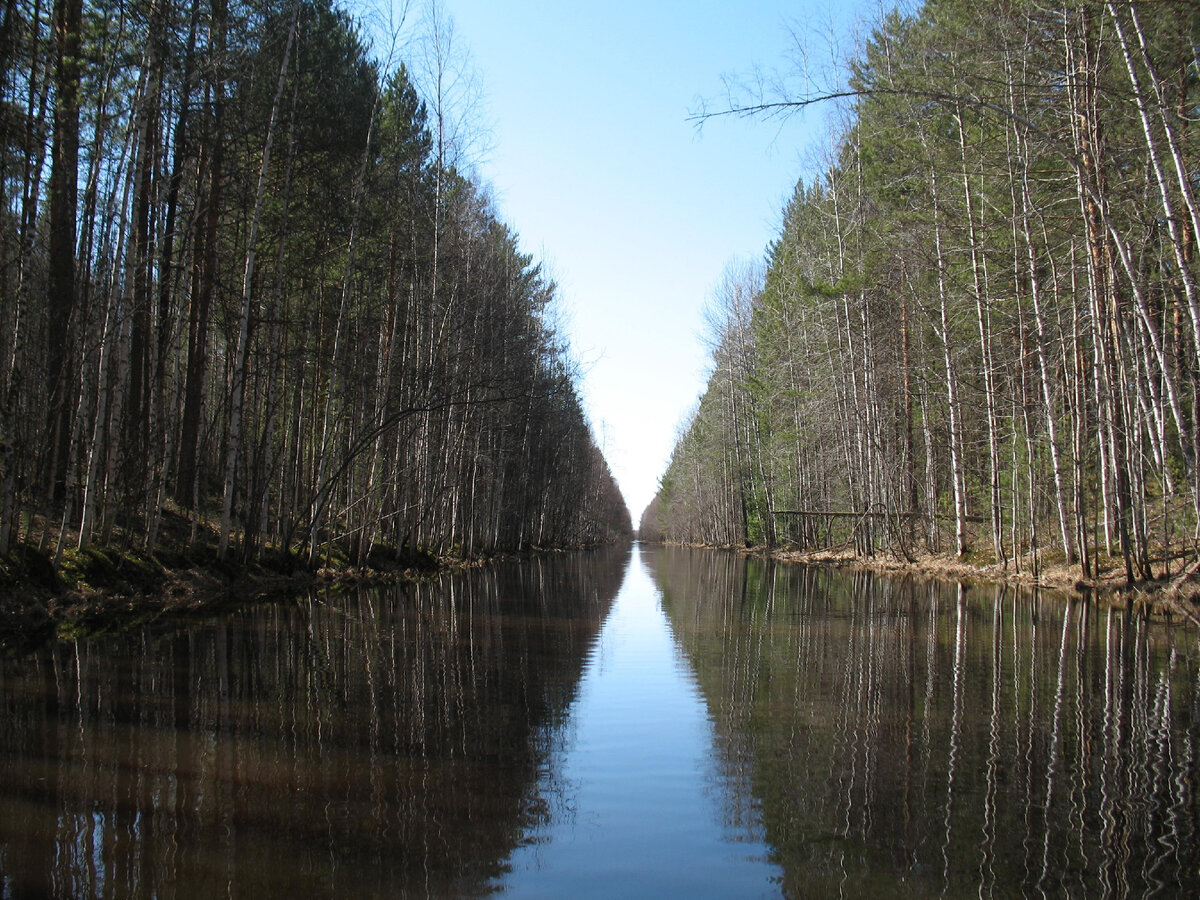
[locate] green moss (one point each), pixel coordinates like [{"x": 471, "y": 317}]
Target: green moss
[{"x": 102, "y": 570}]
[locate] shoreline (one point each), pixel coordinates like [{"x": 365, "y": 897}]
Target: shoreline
[
  {"x": 99, "y": 590},
  {"x": 103, "y": 589},
  {"x": 1176, "y": 594}
]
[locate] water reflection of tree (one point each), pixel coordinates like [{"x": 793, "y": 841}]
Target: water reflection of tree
[
  {"x": 367, "y": 743},
  {"x": 912, "y": 738}
]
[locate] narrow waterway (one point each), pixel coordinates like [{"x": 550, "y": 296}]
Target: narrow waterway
[
  {"x": 650, "y": 722},
  {"x": 640, "y": 800}
]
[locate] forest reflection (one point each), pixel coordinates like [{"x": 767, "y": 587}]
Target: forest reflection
[
  {"x": 917, "y": 739},
  {"x": 374, "y": 742}
]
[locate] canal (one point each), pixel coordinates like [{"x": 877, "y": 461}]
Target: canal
[{"x": 643, "y": 721}]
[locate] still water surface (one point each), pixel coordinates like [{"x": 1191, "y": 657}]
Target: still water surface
[{"x": 656, "y": 723}]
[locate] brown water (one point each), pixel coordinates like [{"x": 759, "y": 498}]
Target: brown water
[
  {"x": 914, "y": 739},
  {"x": 669, "y": 723}
]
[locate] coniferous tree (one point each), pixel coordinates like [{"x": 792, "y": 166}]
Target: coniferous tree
[
  {"x": 275, "y": 309},
  {"x": 977, "y": 325}
]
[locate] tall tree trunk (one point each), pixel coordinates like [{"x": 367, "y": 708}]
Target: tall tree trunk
[
  {"x": 1023, "y": 211},
  {"x": 983, "y": 321},
  {"x": 242, "y": 350},
  {"x": 957, "y": 476},
  {"x": 136, "y": 436},
  {"x": 204, "y": 270},
  {"x": 1080, "y": 449},
  {"x": 1083, "y": 63},
  {"x": 61, "y": 296},
  {"x": 162, "y": 433}
]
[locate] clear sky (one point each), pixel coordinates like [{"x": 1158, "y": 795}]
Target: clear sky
[{"x": 634, "y": 211}]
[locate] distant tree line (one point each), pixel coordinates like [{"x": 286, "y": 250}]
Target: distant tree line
[
  {"x": 245, "y": 282},
  {"x": 979, "y": 328}
]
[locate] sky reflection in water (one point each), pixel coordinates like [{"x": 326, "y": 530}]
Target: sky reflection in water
[
  {"x": 720, "y": 728},
  {"x": 640, "y": 812}
]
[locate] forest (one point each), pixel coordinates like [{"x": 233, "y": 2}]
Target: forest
[
  {"x": 253, "y": 294},
  {"x": 977, "y": 332}
]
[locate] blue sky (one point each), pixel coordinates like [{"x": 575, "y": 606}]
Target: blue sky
[{"x": 635, "y": 213}]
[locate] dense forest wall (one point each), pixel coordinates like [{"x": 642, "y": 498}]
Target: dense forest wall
[
  {"x": 245, "y": 283},
  {"x": 978, "y": 330}
]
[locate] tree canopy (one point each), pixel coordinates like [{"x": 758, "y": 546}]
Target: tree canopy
[
  {"x": 978, "y": 329},
  {"x": 244, "y": 285}
]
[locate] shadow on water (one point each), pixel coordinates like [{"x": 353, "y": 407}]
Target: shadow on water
[
  {"x": 901, "y": 738},
  {"x": 368, "y": 743}
]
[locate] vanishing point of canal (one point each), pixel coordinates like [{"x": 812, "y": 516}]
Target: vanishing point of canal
[{"x": 637, "y": 722}]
